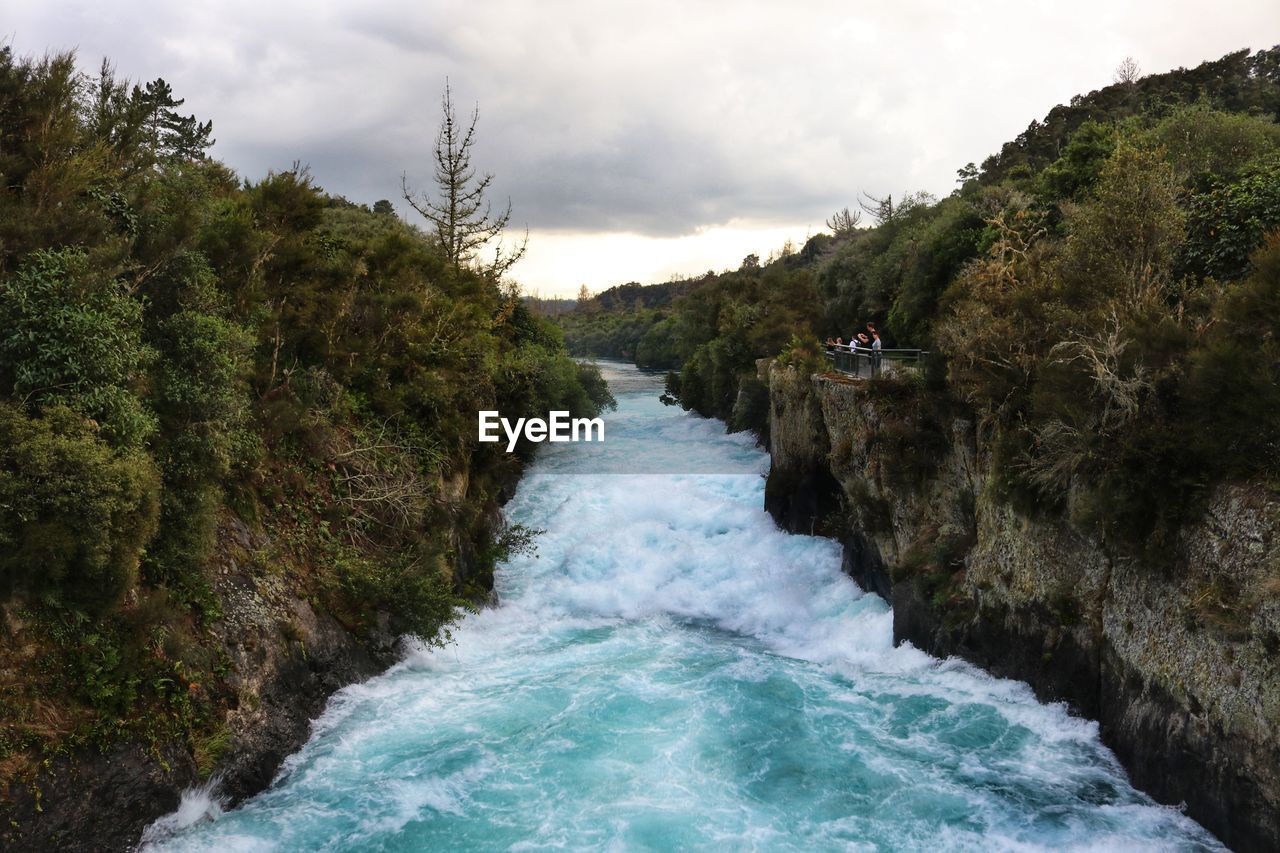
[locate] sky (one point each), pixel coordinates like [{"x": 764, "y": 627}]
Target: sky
[{"x": 636, "y": 141}]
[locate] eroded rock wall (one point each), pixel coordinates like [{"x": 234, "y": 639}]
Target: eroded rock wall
[
  {"x": 1179, "y": 666},
  {"x": 284, "y": 660}
]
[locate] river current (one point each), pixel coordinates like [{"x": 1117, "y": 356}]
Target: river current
[{"x": 669, "y": 671}]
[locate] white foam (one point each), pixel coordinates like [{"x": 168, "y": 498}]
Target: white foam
[{"x": 198, "y": 804}]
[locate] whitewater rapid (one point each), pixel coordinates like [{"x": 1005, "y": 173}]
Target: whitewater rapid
[{"x": 670, "y": 671}]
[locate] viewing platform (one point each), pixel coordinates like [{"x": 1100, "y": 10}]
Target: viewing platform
[{"x": 866, "y": 363}]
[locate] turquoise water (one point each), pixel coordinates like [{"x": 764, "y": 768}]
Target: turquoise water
[{"x": 669, "y": 671}]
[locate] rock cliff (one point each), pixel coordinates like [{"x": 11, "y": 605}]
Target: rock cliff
[
  {"x": 283, "y": 661},
  {"x": 1178, "y": 665},
  {"x": 282, "y": 657}
]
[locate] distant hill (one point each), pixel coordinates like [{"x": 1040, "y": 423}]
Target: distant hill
[
  {"x": 1240, "y": 82},
  {"x": 549, "y": 306},
  {"x": 625, "y": 296}
]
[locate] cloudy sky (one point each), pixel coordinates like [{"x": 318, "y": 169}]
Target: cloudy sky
[{"x": 637, "y": 140}]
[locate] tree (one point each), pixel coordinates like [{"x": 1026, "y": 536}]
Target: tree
[
  {"x": 461, "y": 215},
  {"x": 170, "y": 134},
  {"x": 885, "y": 210},
  {"x": 844, "y": 222},
  {"x": 587, "y": 302},
  {"x": 880, "y": 208},
  {"x": 1128, "y": 71}
]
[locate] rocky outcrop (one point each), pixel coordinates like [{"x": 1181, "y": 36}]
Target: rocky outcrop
[
  {"x": 1179, "y": 666},
  {"x": 284, "y": 660},
  {"x": 281, "y": 657},
  {"x": 803, "y": 493}
]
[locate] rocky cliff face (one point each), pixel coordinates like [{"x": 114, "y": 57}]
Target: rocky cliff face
[
  {"x": 284, "y": 661},
  {"x": 1179, "y": 666},
  {"x": 283, "y": 658}
]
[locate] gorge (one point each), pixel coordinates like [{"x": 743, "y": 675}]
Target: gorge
[
  {"x": 669, "y": 669},
  {"x": 1178, "y": 667},
  {"x": 291, "y": 559}
]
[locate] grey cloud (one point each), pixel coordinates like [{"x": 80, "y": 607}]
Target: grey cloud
[
  {"x": 384, "y": 25},
  {"x": 659, "y": 118},
  {"x": 650, "y": 181}
]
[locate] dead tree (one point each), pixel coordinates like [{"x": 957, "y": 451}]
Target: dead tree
[{"x": 459, "y": 212}]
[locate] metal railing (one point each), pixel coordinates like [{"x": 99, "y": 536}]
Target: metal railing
[{"x": 867, "y": 363}]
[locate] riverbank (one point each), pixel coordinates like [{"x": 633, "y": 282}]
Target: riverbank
[
  {"x": 284, "y": 660},
  {"x": 1178, "y": 665},
  {"x": 280, "y": 656}
]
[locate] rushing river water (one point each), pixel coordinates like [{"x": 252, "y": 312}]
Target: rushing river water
[{"x": 670, "y": 671}]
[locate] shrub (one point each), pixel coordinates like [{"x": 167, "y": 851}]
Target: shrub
[
  {"x": 751, "y": 409},
  {"x": 197, "y": 393},
  {"x": 1202, "y": 141},
  {"x": 75, "y": 513},
  {"x": 71, "y": 335},
  {"x": 1227, "y": 222},
  {"x": 416, "y": 592},
  {"x": 804, "y": 355}
]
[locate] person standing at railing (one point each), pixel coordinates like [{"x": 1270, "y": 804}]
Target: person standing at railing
[{"x": 876, "y": 347}]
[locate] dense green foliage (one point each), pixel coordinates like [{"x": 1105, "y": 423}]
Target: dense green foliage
[
  {"x": 1101, "y": 296},
  {"x": 77, "y": 511},
  {"x": 1240, "y": 82},
  {"x": 1116, "y": 389},
  {"x": 615, "y": 322},
  {"x": 179, "y": 347}
]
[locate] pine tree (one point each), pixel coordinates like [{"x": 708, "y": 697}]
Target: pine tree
[
  {"x": 172, "y": 136},
  {"x": 461, "y": 215}
]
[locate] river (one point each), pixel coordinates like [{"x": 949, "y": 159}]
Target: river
[{"x": 670, "y": 671}]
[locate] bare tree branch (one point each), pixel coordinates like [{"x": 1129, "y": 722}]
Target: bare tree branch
[
  {"x": 843, "y": 222},
  {"x": 1127, "y": 72}
]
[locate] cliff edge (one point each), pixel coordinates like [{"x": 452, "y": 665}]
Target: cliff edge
[{"x": 1178, "y": 663}]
